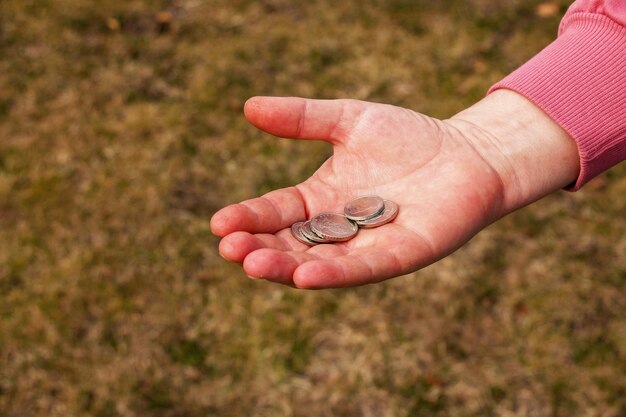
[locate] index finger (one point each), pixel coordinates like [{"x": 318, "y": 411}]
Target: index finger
[{"x": 269, "y": 213}]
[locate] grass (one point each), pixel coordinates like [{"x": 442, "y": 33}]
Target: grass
[{"x": 121, "y": 133}]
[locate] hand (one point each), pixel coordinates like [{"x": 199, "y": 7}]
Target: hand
[{"x": 450, "y": 178}]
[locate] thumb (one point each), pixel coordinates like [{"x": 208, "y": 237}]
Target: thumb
[{"x": 300, "y": 118}]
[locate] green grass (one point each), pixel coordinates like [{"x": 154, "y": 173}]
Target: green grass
[{"x": 121, "y": 133}]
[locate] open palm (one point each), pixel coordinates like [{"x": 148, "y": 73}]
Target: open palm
[{"x": 435, "y": 171}]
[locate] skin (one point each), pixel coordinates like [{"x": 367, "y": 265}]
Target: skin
[{"x": 451, "y": 178}]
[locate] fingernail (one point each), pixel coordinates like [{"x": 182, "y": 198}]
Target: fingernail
[{"x": 251, "y": 277}]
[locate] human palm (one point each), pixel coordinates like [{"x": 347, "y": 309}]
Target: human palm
[{"x": 436, "y": 173}]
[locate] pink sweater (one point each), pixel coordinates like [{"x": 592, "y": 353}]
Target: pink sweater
[{"x": 580, "y": 81}]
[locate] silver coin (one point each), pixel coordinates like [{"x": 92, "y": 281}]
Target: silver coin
[
  {"x": 389, "y": 213},
  {"x": 333, "y": 227},
  {"x": 296, "y": 231},
  {"x": 364, "y": 208},
  {"x": 311, "y": 235}
]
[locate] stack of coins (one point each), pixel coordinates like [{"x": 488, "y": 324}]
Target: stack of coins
[{"x": 363, "y": 212}]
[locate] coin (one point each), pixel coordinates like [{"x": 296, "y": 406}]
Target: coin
[
  {"x": 311, "y": 235},
  {"x": 333, "y": 227},
  {"x": 389, "y": 213},
  {"x": 336, "y": 227},
  {"x": 364, "y": 208},
  {"x": 296, "y": 231}
]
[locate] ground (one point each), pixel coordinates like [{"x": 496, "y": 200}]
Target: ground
[{"x": 121, "y": 133}]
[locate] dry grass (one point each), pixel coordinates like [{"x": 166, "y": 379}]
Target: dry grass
[{"x": 121, "y": 133}]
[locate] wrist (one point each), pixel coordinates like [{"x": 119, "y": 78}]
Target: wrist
[{"x": 530, "y": 152}]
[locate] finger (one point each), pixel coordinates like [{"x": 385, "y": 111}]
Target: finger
[
  {"x": 358, "y": 268},
  {"x": 365, "y": 265},
  {"x": 236, "y": 246},
  {"x": 275, "y": 265},
  {"x": 274, "y": 211},
  {"x": 374, "y": 256},
  {"x": 299, "y": 118}
]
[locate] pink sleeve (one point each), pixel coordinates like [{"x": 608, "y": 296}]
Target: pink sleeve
[{"x": 580, "y": 81}]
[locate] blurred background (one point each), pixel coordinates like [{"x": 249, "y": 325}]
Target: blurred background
[{"x": 121, "y": 133}]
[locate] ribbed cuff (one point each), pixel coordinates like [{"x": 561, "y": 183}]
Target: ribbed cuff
[{"x": 579, "y": 80}]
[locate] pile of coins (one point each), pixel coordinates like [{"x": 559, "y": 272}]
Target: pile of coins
[{"x": 363, "y": 212}]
